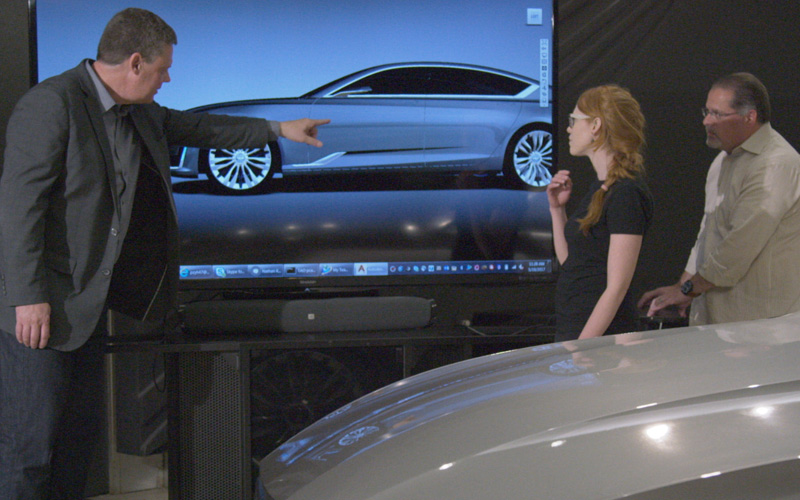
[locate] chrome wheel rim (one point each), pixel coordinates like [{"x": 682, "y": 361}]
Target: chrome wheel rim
[
  {"x": 533, "y": 158},
  {"x": 240, "y": 169}
]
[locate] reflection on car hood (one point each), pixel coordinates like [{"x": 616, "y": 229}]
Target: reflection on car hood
[{"x": 601, "y": 418}]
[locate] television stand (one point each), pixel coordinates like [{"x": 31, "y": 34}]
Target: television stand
[{"x": 213, "y": 390}]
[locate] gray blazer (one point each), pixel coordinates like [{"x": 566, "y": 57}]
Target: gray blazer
[{"x": 59, "y": 216}]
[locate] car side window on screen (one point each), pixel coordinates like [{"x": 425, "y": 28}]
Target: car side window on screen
[
  {"x": 457, "y": 81},
  {"x": 400, "y": 81}
]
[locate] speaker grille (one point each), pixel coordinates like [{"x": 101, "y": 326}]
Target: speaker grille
[{"x": 209, "y": 430}]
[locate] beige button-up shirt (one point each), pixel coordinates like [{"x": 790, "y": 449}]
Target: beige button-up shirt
[{"x": 749, "y": 239}]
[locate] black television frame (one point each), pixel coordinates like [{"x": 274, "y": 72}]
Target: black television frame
[{"x": 288, "y": 285}]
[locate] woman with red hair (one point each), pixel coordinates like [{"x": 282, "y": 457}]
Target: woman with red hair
[{"x": 598, "y": 246}]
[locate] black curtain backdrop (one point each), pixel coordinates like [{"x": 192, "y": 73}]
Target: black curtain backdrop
[
  {"x": 668, "y": 52},
  {"x": 16, "y": 63}
]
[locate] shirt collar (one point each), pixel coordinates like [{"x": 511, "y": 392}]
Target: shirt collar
[
  {"x": 102, "y": 93},
  {"x": 756, "y": 143}
]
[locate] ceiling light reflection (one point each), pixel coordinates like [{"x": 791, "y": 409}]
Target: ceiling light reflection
[
  {"x": 657, "y": 432},
  {"x": 762, "y": 411}
]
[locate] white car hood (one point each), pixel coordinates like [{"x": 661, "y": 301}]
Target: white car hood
[{"x": 602, "y": 418}]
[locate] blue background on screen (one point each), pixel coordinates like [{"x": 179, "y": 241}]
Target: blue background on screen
[{"x": 242, "y": 49}]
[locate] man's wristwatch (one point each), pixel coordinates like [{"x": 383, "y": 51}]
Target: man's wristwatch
[{"x": 687, "y": 287}]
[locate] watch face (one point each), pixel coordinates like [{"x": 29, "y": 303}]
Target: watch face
[{"x": 687, "y": 287}]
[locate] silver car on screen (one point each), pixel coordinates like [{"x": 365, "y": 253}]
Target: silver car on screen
[
  {"x": 407, "y": 117},
  {"x": 686, "y": 413}
]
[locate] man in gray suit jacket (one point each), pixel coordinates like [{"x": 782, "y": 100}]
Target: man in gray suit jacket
[{"x": 88, "y": 223}]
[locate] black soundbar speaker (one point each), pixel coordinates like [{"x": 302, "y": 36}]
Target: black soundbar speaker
[{"x": 308, "y": 315}]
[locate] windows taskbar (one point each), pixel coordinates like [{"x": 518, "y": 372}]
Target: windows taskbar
[{"x": 356, "y": 269}]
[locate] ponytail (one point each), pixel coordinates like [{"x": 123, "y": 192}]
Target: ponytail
[
  {"x": 595, "y": 208},
  {"x": 623, "y": 167}
]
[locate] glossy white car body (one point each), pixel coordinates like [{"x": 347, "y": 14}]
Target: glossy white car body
[{"x": 697, "y": 412}]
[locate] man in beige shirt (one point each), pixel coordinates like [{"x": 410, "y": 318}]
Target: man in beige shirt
[{"x": 743, "y": 264}]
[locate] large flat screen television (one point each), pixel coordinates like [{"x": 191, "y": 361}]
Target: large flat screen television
[{"x": 433, "y": 166}]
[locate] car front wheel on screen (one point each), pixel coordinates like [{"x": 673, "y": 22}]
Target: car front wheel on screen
[{"x": 240, "y": 170}]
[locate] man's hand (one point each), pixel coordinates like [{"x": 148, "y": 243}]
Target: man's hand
[
  {"x": 33, "y": 325},
  {"x": 666, "y": 296},
  {"x": 303, "y": 130}
]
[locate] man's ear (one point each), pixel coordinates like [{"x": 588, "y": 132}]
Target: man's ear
[{"x": 134, "y": 62}]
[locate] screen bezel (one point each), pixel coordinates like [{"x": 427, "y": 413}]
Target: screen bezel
[{"x": 361, "y": 282}]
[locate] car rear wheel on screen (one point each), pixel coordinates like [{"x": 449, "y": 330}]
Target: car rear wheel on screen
[
  {"x": 529, "y": 156},
  {"x": 241, "y": 170}
]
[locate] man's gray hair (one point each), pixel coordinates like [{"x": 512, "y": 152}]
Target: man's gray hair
[
  {"x": 134, "y": 30},
  {"x": 748, "y": 93}
]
